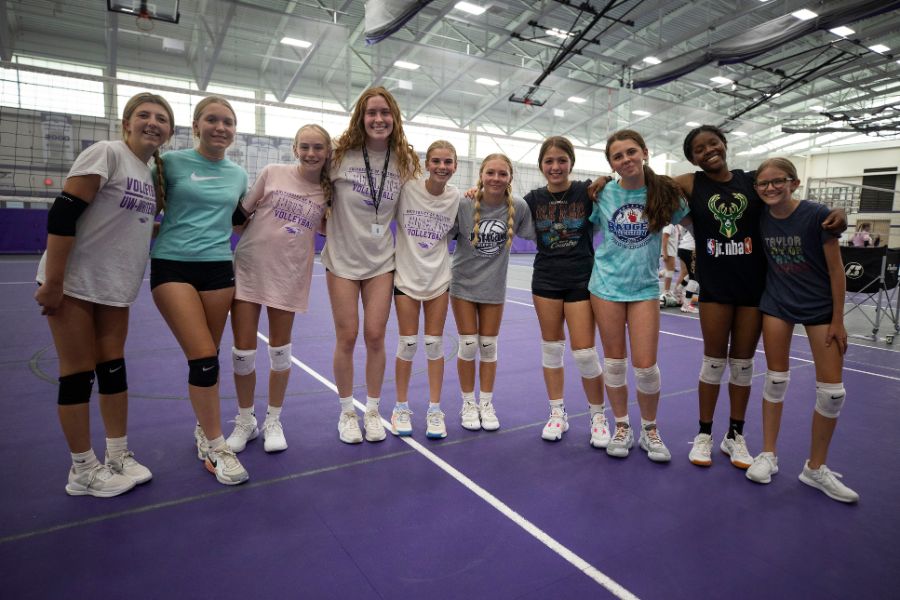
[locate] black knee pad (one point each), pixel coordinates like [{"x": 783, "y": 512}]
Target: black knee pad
[
  {"x": 203, "y": 372},
  {"x": 111, "y": 378},
  {"x": 75, "y": 388}
]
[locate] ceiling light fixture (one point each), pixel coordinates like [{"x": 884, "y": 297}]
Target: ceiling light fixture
[
  {"x": 472, "y": 9},
  {"x": 692, "y": 124},
  {"x": 402, "y": 64},
  {"x": 641, "y": 113},
  {"x": 721, "y": 80},
  {"x": 842, "y": 31},
  {"x": 487, "y": 82},
  {"x": 652, "y": 60},
  {"x": 879, "y": 48},
  {"x": 804, "y": 14},
  {"x": 577, "y": 100},
  {"x": 289, "y": 41}
]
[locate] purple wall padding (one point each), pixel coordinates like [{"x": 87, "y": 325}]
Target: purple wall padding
[{"x": 23, "y": 231}]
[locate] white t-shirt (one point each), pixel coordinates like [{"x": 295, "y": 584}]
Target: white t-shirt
[
  {"x": 685, "y": 238},
  {"x": 672, "y": 244},
  {"x": 354, "y": 249},
  {"x": 422, "y": 256},
  {"x": 112, "y": 236},
  {"x": 273, "y": 262}
]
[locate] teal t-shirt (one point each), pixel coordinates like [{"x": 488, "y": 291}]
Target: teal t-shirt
[
  {"x": 626, "y": 262},
  {"x": 201, "y": 195}
]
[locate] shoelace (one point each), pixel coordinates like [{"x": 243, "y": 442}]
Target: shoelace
[
  {"x": 621, "y": 434},
  {"x": 653, "y": 436},
  {"x": 228, "y": 458},
  {"x": 403, "y": 415},
  {"x": 487, "y": 408},
  {"x": 434, "y": 419},
  {"x": 271, "y": 427},
  {"x": 469, "y": 409},
  {"x": 556, "y": 415}
]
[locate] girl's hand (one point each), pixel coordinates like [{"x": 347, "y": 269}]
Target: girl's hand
[
  {"x": 838, "y": 334},
  {"x": 49, "y": 296},
  {"x": 836, "y": 221},
  {"x": 470, "y": 193},
  {"x": 597, "y": 186}
]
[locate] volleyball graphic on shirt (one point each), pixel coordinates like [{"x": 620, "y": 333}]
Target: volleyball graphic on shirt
[
  {"x": 629, "y": 226},
  {"x": 491, "y": 237}
]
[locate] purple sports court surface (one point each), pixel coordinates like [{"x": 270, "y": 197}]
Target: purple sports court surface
[{"x": 497, "y": 515}]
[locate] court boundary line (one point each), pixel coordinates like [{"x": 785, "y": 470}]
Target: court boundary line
[{"x": 607, "y": 582}]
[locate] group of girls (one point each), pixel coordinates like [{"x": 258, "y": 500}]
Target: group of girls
[{"x": 373, "y": 177}]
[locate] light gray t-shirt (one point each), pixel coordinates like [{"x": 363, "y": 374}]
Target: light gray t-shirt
[
  {"x": 352, "y": 250},
  {"x": 422, "y": 257},
  {"x": 112, "y": 236},
  {"x": 478, "y": 269}
]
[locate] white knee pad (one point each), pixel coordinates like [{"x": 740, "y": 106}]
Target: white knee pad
[
  {"x": 740, "y": 371},
  {"x": 692, "y": 286},
  {"x": 468, "y": 347},
  {"x": 712, "y": 370},
  {"x": 670, "y": 274},
  {"x": 280, "y": 358},
  {"x": 647, "y": 379},
  {"x": 776, "y": 386},
  {"x": 830, "y": 399},
  {"x": 487, "y": 346},
  {"x": 406, "y": 347},
  {"x": 243, "y": 361},
  {"x": 615, "y": 370},
  {"x": 552, "y": 354},
  {"x": 434, "y": 347},
  {"x": 588, "y": 362}
]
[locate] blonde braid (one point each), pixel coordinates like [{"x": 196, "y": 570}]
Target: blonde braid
[
  {"x": 160, "y": 183},
  {"x": 477, "y": 216},
  {"x": 511, "y": 215}
]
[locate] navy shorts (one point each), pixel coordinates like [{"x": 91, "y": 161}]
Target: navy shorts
[{"x": 204, "y": 276}]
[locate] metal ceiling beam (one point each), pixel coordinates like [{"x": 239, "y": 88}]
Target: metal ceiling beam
[
  {"x": 217, "y": 38},
  {"x": 6, "y": 45}
]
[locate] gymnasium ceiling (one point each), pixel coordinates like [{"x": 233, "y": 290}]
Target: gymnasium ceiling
[{"x": 796, "y": 84}]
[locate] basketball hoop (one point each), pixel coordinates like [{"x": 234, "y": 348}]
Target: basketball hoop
[{"x": 144, "y": 21}]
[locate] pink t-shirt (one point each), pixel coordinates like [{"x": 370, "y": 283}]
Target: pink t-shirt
[{"x": 274, "y": 259}]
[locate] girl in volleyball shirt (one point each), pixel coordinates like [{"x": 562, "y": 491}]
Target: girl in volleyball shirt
[
  {"x": 486, "y": 224},
  {"x": 273, "y": 265},
  {"x": 372, "y": 160},
  {"x": 99, "y": 231},
  {"x": 425, "y": 215}
]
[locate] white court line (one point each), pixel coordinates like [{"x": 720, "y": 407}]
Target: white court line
[
  {"x": 536, "y": 532},
  {"x": 758, "y": 351}
]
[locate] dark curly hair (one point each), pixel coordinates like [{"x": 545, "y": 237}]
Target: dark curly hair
[{"x": 689, "y": 139}]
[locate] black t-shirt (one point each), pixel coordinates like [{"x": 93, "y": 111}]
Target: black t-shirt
[
  {"x": 564, "y": 237},
  {"x": 731, "y": 261}
]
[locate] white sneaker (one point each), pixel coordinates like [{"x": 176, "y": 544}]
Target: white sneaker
[
  {"x": 401, "y": 421},
  {"x": 374, "y": 427},
  {"x": 245, "y": 429},
  {"x": 224, "y": 464},
  {"x": 489, "y": 420},
  {"x": 125, "y": 464},
  {"x": 652, "y": 444},
  {"x": 668, "y": 300},
  {"x": 737, "y": 450},
  {"x": 827, "y": 480},
  {"x": 273, "y": 436},
  {"x": 348, "y": 428},
  {"x": 471, "y": 419},
  {"x": 101, "y": 482},
  {"x": 436, "y": 429},
  {"x": 201, "y": 441},
  {"x": 701, "y": 450},
  {"x": 600, "y": 434},
  {"x": 763, "y": 467},
  {"x": 689, "y": 308},
  {"x": 621, "y": 442},
  {"x": 556, "y": 426}
]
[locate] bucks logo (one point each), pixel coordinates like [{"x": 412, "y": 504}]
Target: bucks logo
[{"x": 727, "y": 212}]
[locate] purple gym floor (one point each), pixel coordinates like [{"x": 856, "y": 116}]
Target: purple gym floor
[{"x": 518, "y": 517}]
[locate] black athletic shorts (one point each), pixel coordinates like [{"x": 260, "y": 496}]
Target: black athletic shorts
[
  {"x": 204, "y": 276},
  {"x": 569, "y": 295}
]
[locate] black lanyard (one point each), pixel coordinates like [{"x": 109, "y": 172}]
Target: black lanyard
[{"x": 376, "y": 199}]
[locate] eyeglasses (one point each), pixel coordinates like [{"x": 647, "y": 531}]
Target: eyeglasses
[{"x": 775, "y": 183}]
